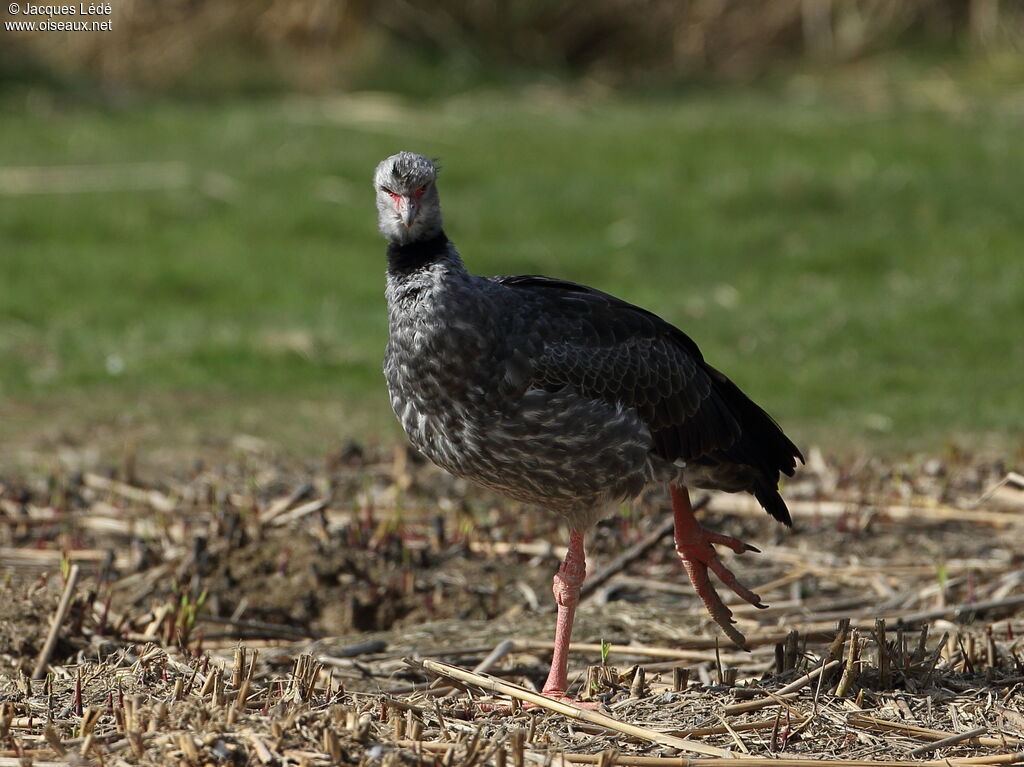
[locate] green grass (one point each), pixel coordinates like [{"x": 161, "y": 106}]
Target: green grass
[{"x": 858, "y": 272}]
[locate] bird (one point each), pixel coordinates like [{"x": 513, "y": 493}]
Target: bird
[{"x": 562, "y": 396}]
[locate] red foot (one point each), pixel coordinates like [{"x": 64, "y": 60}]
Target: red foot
[{"x": 693, "y": 544}]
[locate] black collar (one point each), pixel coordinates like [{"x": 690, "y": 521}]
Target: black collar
[{"x": 413, "y": 255}]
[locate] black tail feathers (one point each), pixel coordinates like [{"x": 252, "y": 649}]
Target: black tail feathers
[
  {"x": 763, "y": 446},
  {"x": 771, "y": 501}
]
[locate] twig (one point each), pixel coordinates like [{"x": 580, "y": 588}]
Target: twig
[
  {"x": 566, "y": 709},
  {"x": 633, "y": 760},
  {"x": 760, "y": 724},
  {"x": 786, "y": 693},
  {"x": 756, "y": 705},
  {"x": 284, "y": 503},
  {"x": 1012, "y": 478},
  {"x": 835, "y": 650},
  {"x": 926, "y": 733},
  {"x": 884, "y": 658},
  {"x": 299, "y": 511},
  {"x": 850, "y": 668},
  {"x": 262, "y": 752},
  {"x": 18, "y": 557},
  {"x": 951, "y": 740},
  {"x": 58, "y": 618},
  {"x": 955, "y": 612},
  {"x": 735, "y": 736},
  {"x": 806, "y": 679},
  {"x": 503, "y": 648},
  {"x": 153, "y": 498}
]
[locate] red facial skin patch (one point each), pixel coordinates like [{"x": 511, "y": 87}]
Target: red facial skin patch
[{"x": 397, "y": 198}]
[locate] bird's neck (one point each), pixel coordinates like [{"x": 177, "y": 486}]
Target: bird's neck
[{"x": 409, "y": 257}]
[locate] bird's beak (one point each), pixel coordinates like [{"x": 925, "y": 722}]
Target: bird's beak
[{"x": 407, "y": 210}]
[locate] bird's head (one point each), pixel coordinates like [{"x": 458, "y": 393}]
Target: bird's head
[{"x": 408, "y": 206}]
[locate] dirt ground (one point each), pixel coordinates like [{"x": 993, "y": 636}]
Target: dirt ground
[{"x": 256, "y": 612}]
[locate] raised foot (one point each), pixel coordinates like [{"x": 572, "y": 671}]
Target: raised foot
[{"x": 697, "y": 555}]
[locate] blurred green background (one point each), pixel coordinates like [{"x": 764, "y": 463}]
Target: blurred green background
[{"x": 828, "y": 197}]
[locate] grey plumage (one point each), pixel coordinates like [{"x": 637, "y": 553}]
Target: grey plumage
[{"x": 550, "y": 392}]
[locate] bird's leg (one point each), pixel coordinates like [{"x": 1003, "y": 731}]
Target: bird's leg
[
  {"x": 566, "y": 589},
  {"x": 693, "y": 544}
]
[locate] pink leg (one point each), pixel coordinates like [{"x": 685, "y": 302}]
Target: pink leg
[
  {"x": 693, "y": 544},
  {"x": 566, "y": 589}
]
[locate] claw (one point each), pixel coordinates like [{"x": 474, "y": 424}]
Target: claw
[
  {"x": 720, "y": 614},
  {"x": 726, "y": 540},
  {"x": 726, "y": 576},
  {"x": 694, "y": 546}
]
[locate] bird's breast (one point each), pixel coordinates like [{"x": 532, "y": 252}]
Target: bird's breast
[
  {"x": 440, "y": 368},
  {"x": 458, "y": 372}
]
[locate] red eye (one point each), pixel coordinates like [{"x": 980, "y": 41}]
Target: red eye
[
  {"x": 419, "y": 192},
  {"x": 394, "y": 195}
]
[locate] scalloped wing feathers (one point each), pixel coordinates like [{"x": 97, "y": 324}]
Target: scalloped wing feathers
[{"x": 613, "y": 351}]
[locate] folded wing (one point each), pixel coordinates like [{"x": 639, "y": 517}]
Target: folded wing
[{"x": 613, "y": 351}]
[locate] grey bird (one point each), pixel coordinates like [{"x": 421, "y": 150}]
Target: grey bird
[{"x": 559, "y": 395}]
